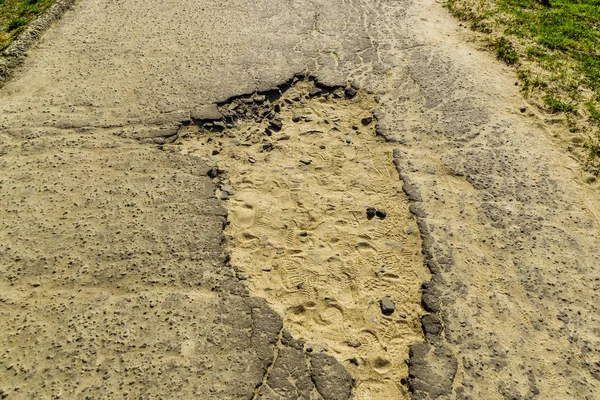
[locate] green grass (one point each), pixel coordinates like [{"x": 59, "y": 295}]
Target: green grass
[
  {"x": 556, "y": 50},
  {"x": 506, "y": 52},
  {"x": 15, "y": 15}
]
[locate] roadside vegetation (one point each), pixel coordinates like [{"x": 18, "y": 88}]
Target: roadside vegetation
[
  {"x": 555, "y": 47},
  {"x": 15, "y": 15}
]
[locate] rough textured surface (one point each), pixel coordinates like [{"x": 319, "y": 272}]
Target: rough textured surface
[
  {"x": 89, "y": 237},
  {"x": 298, "y": 232},
  {"x": 11, "y": 57}
]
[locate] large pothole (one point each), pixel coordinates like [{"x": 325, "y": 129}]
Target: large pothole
[{"x": 298, "y": 169}]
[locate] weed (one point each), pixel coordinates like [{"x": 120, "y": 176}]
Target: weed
[
  {"x": 15, "y": 23},
  {"x": 556, "y": 105},
  {"x": 506, "y": 52},
  {"x": 593, "y": 111},
  {"x": 15, "y": 15},
  {"x": 560, "y": 41}
]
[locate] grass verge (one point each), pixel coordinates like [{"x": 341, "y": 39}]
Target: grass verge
[
  {"x": 15, "y": 15},
  {"x": 555, "y": 47}
]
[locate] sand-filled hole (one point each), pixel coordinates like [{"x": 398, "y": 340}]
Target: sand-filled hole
[{"x": 319, "y": 225}]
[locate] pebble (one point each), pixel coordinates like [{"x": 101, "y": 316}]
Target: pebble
[
  {"x": 296, "y": 118},
  {"x": 381, "y": 214},
  {"x": 354, "y": 343},
  {"x": 350, "y": 92},
  {"x": 260, "y": 98},
  {"x": 315, "y": 92},
  {"x": 371, "y": 213},
  {"x": 523, "y": 109},
  {"x": 387, "y": 306},
  {"x": 228, "y": 189},
  {"x": 366, "y": 121},
  {"x": 306, "y": 161},
  {"x": 338, "y": 93},
  {"x": 219, "y": 125},
  {"x": 268, "y": 146},
  {"x": 251, "y": 160},
  {"x": 276, "y": 124},
  {"x": 214, "y": 172},
  {"x": 348, "y": 139}
]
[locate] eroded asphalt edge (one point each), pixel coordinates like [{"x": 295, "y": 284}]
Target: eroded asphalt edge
[{"x": 14, "y": 54}]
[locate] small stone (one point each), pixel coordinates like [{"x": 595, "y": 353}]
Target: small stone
[
  {"x": 308, "y": 118},
  {"x": 322, "y": 147},
  {"x": 284, "y": 137},
  {"x": 296, "y": 97},
  {"x": 350, "y": 92},
  {"x": 371, "y": 213},
  {"x": 276, "y": 125},
  {"x": 215, "y": 152},
  {"x": 260, "y": 98},
  {"x": 387, "y": 306},
  {"x": 315, "y": 92},
  {"x": 224, "y": 196},
  {"x": 277, "y": 108},
  {"x": 381, "y": 214},
  {"x": 523, "y": 109},
  {"x": 268, "y": 146},
  {"x": 348, "y": 139},
  {"x": 227, "y": 188},
  {"x": 296, "y": 118},
  {"x": 355, "y": 85},
  {"x": 252, "y": 160},
  {"x": 214, "y": 172},
  {"x": 366, "y": 121},
  {"x": 353, "y": 342},
  {"x": 209, "y": 112},
  {"x": 219, "y": 125},
  {"x": 306, "y": 161}
]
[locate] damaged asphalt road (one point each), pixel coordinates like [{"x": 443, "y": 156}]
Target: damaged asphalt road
[{"x": 113, "y": 278}]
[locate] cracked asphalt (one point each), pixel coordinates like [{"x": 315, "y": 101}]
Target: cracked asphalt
[{"x": 113, "y": 279}]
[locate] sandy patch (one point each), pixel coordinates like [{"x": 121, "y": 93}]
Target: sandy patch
[{"x": 300, "y": 233}]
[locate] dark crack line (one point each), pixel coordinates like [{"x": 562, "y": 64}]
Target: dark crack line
[{"x": 270, "y": 367}]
